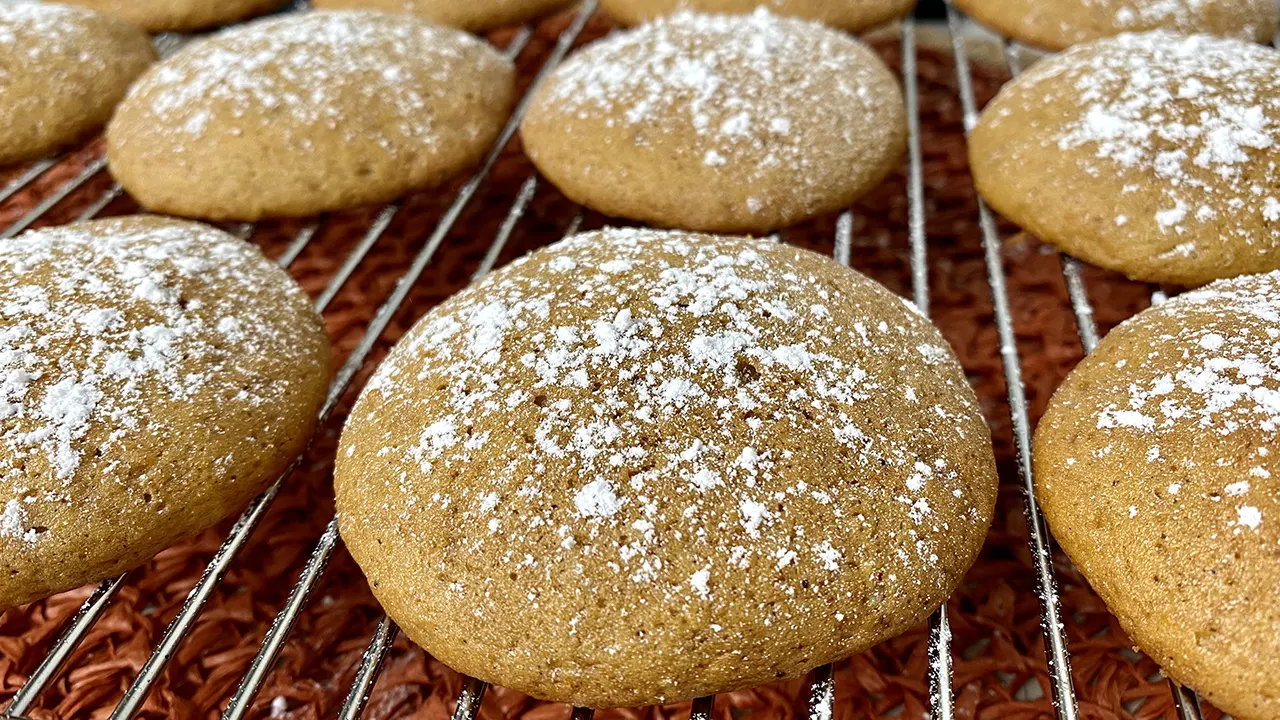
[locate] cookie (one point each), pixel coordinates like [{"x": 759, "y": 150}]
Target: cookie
[
  {"x": 1059, "y": 24},
  {"x": 180, "y": 15},
  {"x": 477, "y": 15},
  {"x": 640, "y": 466},
  {"x": 1155, "y": 155},
  {"x": 63, "y": 71},
  {"x": 157, "y": 375},
  {"x": 300, "y": 115},
  {"x": 852, "y": 15},
  {"x": 1157, "y": 468},
  {"x": 726, "y": 123}
]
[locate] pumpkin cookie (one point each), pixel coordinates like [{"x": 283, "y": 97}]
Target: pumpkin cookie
[
  {"x": 718, "y": 122},
  {"x": 1158, "y": 467},
  {"x": 157, "y": 375},
  {"x": 180, "y": 15},
  {"x": 1156, "y": 155},
  {"x": 1059, "y": 24},
  {"x": 475, "y": 15},
  {"x": 300, "y": 115},
  {"x": 62, "y": 71},
  {"x": 640, "y": 466},
  {"x": 852, "y": 15}
]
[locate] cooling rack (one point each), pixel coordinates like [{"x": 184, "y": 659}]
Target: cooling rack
[{"x": 820, "y": 705}]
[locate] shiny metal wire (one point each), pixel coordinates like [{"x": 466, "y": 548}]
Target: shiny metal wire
[{"x": 1063, "y": 692}]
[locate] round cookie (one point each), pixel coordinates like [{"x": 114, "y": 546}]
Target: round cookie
[
  {"x": 1155, "y": 155},
  {"x": 640, "y": 466},
  {"x": 1059, "y": 24},
  {"x": 180, "y": 15},
  {"x": 476, "y": 15},
  {"x": 299, "y": 115},
  {"x": 1158, "y": 468},
  {"x": 851, "y": 15},
  {"x": 726, "y": 123},
  {"x": 157, "y": 375},
  {"x": 62, "y": 71}
]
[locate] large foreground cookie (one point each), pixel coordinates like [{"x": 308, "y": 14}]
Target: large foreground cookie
[
  {"x": 1155, "y": 155},
  {"x": 157, "y": 374},
  {"x": 180, "y": 15},
  {"x": 301, "y": 115},
  {"x": 1158, "y": 468},
  {"x": 718, "y": 122},
  {"x": 474, "y": 15},
  {"x": 1059, "y": 24},
  {"x": 853, "y": 15},
  {"x": 640, "y": 466},
  {"x": 62, "y": 71}
]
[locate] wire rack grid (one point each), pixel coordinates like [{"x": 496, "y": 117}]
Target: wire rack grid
[{"x": 822, "y": 694}]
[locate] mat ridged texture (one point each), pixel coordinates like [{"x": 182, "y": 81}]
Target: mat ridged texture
[{"x": 994, "y": 616}]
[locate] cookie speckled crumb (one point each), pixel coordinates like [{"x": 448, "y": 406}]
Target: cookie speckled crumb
[
  {"x": 1155, "y": 154},
  {"x": 155, "y": 375},
  {"x": 1156, "y": 466},
  {"x": 718, "y": 122},
  {"x": 622, "y": 470},
  {"x": 309, "y": 113}
]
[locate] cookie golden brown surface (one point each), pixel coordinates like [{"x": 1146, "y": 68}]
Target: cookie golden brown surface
[
  {"x": 1156, "y": 465},
  {"x": 1059, "y": 24},
  {"x": 180, "y": 15},
  {"x": 475, "y": 15},
  {"x": 852, "y": 15},
  {"x": 62, "y": 71},
  {"x": 299, "y": 115},
  {"x": 157, "y": 374},
  {"x": 1155, "y": 155},
  {"x": 727, "y": 123},
  {"x": 640, "y": 466}
]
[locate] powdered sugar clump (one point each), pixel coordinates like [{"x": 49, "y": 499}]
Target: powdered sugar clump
[
  {"x": 13, "y": 522},
  {"x": 1197, "y": 116}
]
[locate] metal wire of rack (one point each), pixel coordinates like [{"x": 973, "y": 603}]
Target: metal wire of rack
[{"x": 822, "y": 694}]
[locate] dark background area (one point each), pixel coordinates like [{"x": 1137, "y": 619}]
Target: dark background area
[{"x": 931, "y": 9}]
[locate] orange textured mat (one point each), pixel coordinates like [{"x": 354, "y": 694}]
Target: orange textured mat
[{"x": 1000, "y": 668}]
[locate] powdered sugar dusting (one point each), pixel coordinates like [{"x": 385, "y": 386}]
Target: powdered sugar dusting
[
  {"x": 61, "y": 70},
  {"x": 1196, "y": 115},
  {"x": 309, "y": 70},
  {"x": 43, "y": 31},
  {"x": 96, "y": 331},
  {"x": 1183, "y": 16},
  {"x": 621, "y": 386},
  {"x": 740, "y": 89},
  {"x": 1222, "y": 383}
]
